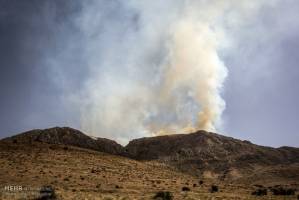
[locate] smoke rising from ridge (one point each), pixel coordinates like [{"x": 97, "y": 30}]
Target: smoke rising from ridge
[
  {"x": 156, "y": 69},
  {"x": 60, "y": 59}
]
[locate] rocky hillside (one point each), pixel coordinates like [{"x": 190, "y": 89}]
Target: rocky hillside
[
  {"x": 53, "y": 171},
  {"x": 67, "y": 136},
  {"x": 201, "y": 154},
  {"x": 215, "y": 156}
]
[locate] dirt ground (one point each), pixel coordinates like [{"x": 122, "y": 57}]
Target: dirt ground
[{"x": 74, "y": 173}]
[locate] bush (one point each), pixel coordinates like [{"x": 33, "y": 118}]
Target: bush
[
  {"x": 260, "y": 192},
  {"x": 290, "y": 191},
  {"x": 214, "y": 188},
  {"x": 46, "y": 193},
  {"x": 283, "y": 191},
  {"x": 163, "y": 195},
  {"x": 66, "y": 179},
  {"x": 200, "y": 182},
  {"x": 186, "y": 189}
]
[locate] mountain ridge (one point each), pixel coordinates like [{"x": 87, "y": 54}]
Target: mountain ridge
[
  {"x": 202, "y": 154},
  {"x": 66, "y": 136}
]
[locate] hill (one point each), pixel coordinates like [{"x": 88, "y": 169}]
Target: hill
[
  {"x": 211, "y": 155},
  {"x": 67, "y": 136},
  {"x": 78, "y": 166}
]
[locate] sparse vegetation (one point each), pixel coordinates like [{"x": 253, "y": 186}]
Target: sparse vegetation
[
  {"x": 46, "y": 193},
  {"x": 260, "y": 192},
  {"x": 79, "y": 173},
  {"x": 163, "y": 195},
  {"x": 185, "y": 189},
  {"x": 283, "y": 191},
  {"x": 214, "y": 188}
]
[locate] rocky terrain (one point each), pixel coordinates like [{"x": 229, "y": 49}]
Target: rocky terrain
[
  {"x": 210, "y": 155},
  {"x": 67, "y": 136},
  {"x": 64, "y": 163}
]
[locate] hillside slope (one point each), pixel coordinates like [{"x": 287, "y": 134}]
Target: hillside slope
[
  {"x": 201, "y": 154},
  {"x": 215, "y": 156},
  {"x": 67, "y": 136}
]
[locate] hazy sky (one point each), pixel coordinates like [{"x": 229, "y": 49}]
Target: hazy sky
[{"x": 96, "y": 66}]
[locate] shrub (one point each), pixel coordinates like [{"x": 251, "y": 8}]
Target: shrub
[
  {"x": 66, "y": 179},
  {"x": 290, "y": 191},
  {"x": 214, "y": 188},
  {"x": 283, "y": 191},
  {"x": 200, "y": 182},
  {"x": 186, "y": 189},
  {"x": 163, "y": 195},
  {"x": 46, "y": 193},
  {"x": 260, "y": 192}
]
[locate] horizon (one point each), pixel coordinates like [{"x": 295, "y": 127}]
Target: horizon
[{"x": 152, "y": 136}]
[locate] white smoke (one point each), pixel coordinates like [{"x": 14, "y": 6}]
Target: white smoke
[{"x": 156, "y": 65}]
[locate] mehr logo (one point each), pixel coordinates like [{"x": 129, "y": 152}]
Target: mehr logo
[{"x": 13, "y": 188}]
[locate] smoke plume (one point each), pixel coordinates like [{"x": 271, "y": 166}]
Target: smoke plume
[{"x": 155, "y": 66}]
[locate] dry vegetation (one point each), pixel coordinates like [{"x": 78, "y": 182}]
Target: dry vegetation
[{"x": 76, "y": 173}]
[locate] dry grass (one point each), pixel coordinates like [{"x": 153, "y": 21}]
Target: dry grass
[{"x": 77, "y": 173}]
